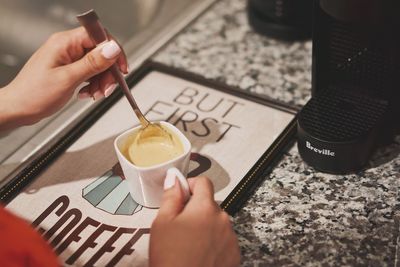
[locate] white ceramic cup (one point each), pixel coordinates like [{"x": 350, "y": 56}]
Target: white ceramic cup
[{"x": 146, "y": 184}]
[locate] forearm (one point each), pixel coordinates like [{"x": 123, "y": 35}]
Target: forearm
[{"x": 12, "y": 114}]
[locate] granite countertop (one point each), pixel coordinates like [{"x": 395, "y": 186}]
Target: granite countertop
[{"x": 298, "y": 216}]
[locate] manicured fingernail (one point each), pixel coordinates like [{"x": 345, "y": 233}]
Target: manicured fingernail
[
  {"x": 169, "y": 181},
  {"x": 84, "y": 95},
  {"x": 98, "y": 95},
  {"x": 110, "y": 89},
  {"x": 110, "y": 49}
]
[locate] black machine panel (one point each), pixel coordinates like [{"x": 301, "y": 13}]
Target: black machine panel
[{"x": 355, "y": 91}]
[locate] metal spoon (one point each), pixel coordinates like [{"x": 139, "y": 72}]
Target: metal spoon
[{"x": 90, "y": 21}]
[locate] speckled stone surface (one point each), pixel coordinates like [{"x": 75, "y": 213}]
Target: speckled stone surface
[
  {"x": 222, "y": 46},
  {"x": 298, "y": 216}
]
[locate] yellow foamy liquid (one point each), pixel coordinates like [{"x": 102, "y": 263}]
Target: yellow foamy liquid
[{"x": 154, "y": 150}]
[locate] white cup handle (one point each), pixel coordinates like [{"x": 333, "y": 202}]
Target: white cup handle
[{"x": 174, "y": 172}]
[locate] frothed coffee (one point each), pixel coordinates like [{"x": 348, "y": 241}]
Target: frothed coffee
[
  {"x": 152, "y": 150},
  {"x": 146, "y": 167}
]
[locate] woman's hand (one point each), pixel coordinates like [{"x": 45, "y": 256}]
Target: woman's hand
[
  {"x": 49, "y": 78},
  {"x": 198, "y": 234}
]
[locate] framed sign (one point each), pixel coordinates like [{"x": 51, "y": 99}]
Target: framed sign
[{"x": 75, "y": 193}]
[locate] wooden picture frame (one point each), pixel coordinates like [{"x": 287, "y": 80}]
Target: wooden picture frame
[{"x": 237, "y": 196}]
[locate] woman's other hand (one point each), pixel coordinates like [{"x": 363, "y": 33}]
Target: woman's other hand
[{"x": 198, "y": 234}]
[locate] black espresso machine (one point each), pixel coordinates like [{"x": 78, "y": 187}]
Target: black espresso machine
[{"x": 355, "y": 102}]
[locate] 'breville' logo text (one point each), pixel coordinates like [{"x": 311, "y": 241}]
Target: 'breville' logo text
[{"x": 326, "y": 152}]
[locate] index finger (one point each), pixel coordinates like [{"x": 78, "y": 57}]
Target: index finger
[{"x": 201, "y": 188}]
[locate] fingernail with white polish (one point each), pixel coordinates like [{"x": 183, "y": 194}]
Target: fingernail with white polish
[
  {"x": 110, "y": 49},
  {"x": 109, "y": 90},
  {"x": 169, "y": 181},
  {"x": 98, "y": 95},
  {"x": 84, "y": 95}
]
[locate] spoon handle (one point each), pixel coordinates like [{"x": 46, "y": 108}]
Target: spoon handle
[
  {"x": 90, "y": 21},
  {"x": 122, "y": 83}
]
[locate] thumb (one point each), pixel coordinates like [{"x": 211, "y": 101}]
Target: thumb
[
  {"x": 94, "y": 62},
  {"x": 173, "y": 200}
]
